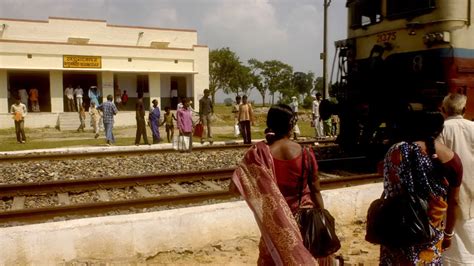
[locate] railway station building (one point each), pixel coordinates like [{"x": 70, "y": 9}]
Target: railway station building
[{"x": 50, "y": 56}]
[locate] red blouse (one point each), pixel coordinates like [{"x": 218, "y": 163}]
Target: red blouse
[{"x": 287, "y": 174}]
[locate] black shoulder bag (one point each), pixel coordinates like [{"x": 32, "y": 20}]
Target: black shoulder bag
[
  {"x": 316, "y": 224},
  {"x": 399, "y": 221}
]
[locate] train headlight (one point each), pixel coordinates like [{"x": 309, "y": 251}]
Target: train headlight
[
  {"x": 426, "y": 39},
  {"x": 437, "y": 37},
  {"x": 432, "y": 37}
]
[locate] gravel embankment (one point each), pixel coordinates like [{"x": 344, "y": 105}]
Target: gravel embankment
[{"x": 51, "y": 170}]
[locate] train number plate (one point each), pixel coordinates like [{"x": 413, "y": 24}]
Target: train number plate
[{"x": 386, "y": 36}]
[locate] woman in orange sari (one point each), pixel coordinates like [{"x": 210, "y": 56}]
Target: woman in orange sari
[{"x": 267, "y": 178}]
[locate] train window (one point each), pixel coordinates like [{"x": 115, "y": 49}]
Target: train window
[
  {"x": 408, "y": 8},
  {"x": 364, "y": 12}
]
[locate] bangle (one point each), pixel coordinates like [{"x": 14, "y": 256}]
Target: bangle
[{"x": 447, "y": 235}]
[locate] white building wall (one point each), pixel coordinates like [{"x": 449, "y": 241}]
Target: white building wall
[
  {"x": 128, "y": 82},
  {"x": 154, "y": 86},
  {"x": 97, "y": 31},
  {"x": 56, "y": 89},
  {"x": 3, "y": 91},
  {"x": 165, "y": 81},
  {"x": 124, "y": 51},
  {"x": 107, "y": 81},
  {"x": 201, "y": 67}
]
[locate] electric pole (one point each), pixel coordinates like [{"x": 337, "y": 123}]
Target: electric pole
[{"x": 324, "y": 55}]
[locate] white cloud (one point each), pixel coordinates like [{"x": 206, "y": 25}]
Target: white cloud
[{"x": 249, "y": 27}]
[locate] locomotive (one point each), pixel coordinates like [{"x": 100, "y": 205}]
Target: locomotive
[{"x": 399, "y": 55}]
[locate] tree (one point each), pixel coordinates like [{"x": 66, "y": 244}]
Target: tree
[
  {"x": 241, "y": 80},
  {"x": 277, "y": 77},
  {"x": 256, "y": 68},
  {"x": 222, "y": 65},
  {"x": 302, "y": 83}
]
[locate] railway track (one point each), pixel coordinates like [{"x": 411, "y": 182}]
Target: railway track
[
  {"x": 123, "y": 151},
  {"x": 179, "y": 189}
]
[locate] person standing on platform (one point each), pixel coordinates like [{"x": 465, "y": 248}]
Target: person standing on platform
[
  {"x": 169, "y": 124},
  {"x": 267, "y": 179},
  {"x": 69, "y": 94},
  {"x": 117, "y": 95},
  {"x": 109, "y": 110},
  {"x": 294, "y": 108},
  {"x": 245, "y": 120},
  {"x": 317, "y": 122},
  {"x": 94, "y": 95},
  {"x": 181, "y": 103},
  {"x": 34, "y": 99},
  {"x": 79, "y": 93},
  {"x": 206, "y": 110},
  {"x": 185, "y": 126},
  {"x": 141, "y": 125},
  {"x": 19, "y": 111},
  {"x": 154, "y": 118},
  {"x": 419, "y": 165},
  {"x": 235, "y": 111},
  {"x": 95, "y": 119},
  {"x": 82, "y": 118},
  {"x": 458, "y": 135},
  {"x": 124, "y": 98}
]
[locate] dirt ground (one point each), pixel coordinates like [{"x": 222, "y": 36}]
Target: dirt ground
[{"x": 244, "y": 251}]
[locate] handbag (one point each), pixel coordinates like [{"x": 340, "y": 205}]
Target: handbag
[
  {"x": 236, "y": 130},
  {"x": 316, "y": 225},
  {"x": 198, "y": 130},
  {"x": 399, "y": 221}
]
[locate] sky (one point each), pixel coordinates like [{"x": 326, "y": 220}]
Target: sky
[{"x": 287, "y": 30}]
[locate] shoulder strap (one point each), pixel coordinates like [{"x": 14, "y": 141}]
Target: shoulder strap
[
  {"x": 301, "y": 178},
  {"x": 305, "y": 161}
]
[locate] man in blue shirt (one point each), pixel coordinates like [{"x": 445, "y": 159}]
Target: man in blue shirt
[{"x": 109, "y": 110}]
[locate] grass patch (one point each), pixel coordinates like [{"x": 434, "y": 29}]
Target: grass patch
[{"x": 49, "y": 138}]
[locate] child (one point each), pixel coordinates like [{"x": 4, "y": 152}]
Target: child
[
  {"x": 124, "y": 98},
  {"x": 168, "y": 119},
  {"x": 95, "y": 118},
  {"x": 82, "y": 118}
]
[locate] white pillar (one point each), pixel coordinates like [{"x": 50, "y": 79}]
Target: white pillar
[
  {"x": 107, "y": 85},
  {"x": 154, "y": 82},
  {"x": 201, "y": 67},
  {"x": 3, "y": 91},
  {"x": 57, "y": 91}
]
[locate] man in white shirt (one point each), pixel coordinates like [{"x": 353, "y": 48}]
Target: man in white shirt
[
  {"x": 79, "y": 93},
  {"x": 317, "y": 122},
  {"x": 69, "y": 94},
  {"x": 294, "y": 108},
  {"x": 458, "y": 135}
]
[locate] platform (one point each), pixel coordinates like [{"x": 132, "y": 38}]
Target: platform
[{"x": 140, "y": 236}]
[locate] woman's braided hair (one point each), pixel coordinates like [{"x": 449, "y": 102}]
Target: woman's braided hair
[{"x": 280, "y": 122}]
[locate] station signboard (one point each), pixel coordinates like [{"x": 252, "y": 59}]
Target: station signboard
[{"x": 80, "y": 61}]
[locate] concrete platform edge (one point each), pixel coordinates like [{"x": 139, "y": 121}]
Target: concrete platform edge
[{"x": 144, "y": 235}]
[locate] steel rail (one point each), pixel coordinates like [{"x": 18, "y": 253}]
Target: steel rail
[
  {"x": 42, "y": 214},
  {"x": 124, "y": 152},
  {"x": 81, "y": 185}
]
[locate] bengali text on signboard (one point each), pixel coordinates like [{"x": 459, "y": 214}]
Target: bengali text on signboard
[{"x": 79, "y": 61}]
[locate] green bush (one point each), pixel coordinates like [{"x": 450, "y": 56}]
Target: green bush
[
  {"x": 308, "y": 102},
  {"x": 228, "y": 102}
]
